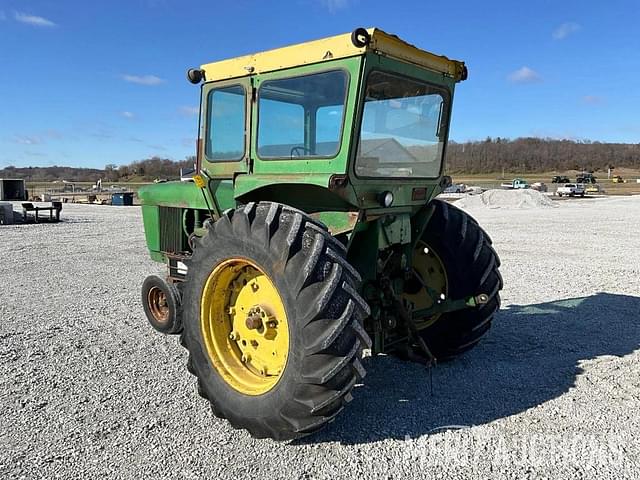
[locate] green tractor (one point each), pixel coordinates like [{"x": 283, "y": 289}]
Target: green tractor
[{"x": 311, "y": 231}]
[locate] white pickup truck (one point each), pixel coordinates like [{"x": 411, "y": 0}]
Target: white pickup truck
[{"x": 571, "y": 190}]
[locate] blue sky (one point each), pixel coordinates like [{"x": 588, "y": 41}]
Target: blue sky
[{"x": 91, "y": 83}]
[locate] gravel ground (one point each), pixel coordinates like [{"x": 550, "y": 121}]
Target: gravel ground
[{"x": 89, "y": 390}]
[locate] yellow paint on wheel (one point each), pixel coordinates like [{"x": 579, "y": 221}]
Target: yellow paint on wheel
[
  {"x": 244, "y": 326},
  {"x": 430, "y": 274}
]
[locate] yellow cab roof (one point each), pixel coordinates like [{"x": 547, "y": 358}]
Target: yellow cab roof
[{"x": 339, "y": 46}]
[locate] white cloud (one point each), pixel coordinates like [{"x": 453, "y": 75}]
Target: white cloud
[
  {"x": 33, "y": 20},
  {"x": 564, "y": 30},
  {"x": 38, "y": 138},
  {"x": 334, "y": 5},
  {"x": 28, "y": 140},
  {"x": 524, "y": 75},
  {"x": 102, "y": 134},
  {"x": 592, "y": 100},
  {"x": 157, "y": 148},
  {"x": 189, "y": 111},
  {"x": 143, "y": 79},
  {"x": 53, "y": 134},
  {"x": 129, "y": 115}
]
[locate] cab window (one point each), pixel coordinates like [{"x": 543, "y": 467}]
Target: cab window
[
  {"x": 225, "y": 139},
  {"x": 302, "y": 117},
  {"x": 403, "y": 129}
]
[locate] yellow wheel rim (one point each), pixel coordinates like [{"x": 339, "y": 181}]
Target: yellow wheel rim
[
  {"x": 429, "y": 272},
  {"x": 244, "y": 326}
]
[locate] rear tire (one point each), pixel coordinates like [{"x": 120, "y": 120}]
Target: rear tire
[
  {"x": 324, "y": 314},
  {"x": 471, "y": 265}
]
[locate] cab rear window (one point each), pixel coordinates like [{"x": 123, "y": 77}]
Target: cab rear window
[{"x": 302, "y": 117}]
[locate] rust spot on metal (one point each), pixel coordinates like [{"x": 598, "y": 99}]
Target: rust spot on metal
[{"x": 254, "y": 321}]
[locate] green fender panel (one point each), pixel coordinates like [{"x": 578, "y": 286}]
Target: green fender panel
[{"x": 187, "y": 195}]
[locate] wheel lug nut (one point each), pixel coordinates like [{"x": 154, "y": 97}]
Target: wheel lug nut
[
  {"x": 253, "y": 321},
  {"x": 234, "y": 336},
  {"x": 246, "y": 358}
]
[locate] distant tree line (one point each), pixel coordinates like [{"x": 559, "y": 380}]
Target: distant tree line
[
  {"x": 523, "y": 155},
  {"x": 150, "y": 169},
  {"x": 539, "y": 155},
  {"x": 143, "y": 170},
  {"x": 49, "y": 174}
]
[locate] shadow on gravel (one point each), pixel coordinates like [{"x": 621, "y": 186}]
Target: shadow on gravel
[{"x": 531, "y": 355}]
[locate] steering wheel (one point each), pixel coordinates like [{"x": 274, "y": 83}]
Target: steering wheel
[{"x": 294, "y": 150}]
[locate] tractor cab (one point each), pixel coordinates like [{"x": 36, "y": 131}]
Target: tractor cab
[
  {"x": 338, "y": 121},
  {"x": 340, "y": 127}
]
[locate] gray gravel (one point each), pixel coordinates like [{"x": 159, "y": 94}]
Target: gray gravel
[{"x": 89, "y": 390}]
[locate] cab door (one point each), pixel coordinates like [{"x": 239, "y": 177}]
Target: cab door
[{"x": 225, "y": 125}]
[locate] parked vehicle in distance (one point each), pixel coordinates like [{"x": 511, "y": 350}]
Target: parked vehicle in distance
[
  {"x": 571, "y": 190},
  {"x": 516, "y": 183},
  {"x": 475, "y": 190},
  {"x": 618, "y": 179},
  {"x": 560, "y": 179},
  {"x": 586, "y": 177},
  {"x": 593, "y": 188},
  {"x": 456, "y": 188},
  {"x": 539, "y": 186}
]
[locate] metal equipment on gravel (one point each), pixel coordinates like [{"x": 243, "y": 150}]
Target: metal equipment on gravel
[{"x": 311, "y": 231}]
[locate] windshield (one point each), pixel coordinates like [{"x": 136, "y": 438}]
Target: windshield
[
  {"x": 302, "y": 116},
  {"x": 403, "y": 128}
]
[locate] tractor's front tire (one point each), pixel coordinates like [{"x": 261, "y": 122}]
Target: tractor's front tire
[
  {"x": 161, "y": 303},
  {"x": 471, "y": 265},
  {"x": 272, "y": 321}
]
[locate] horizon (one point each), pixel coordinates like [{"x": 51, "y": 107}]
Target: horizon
[
  {"x": 177, "y": 160},
  {"x": 110, "y": 84}
]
